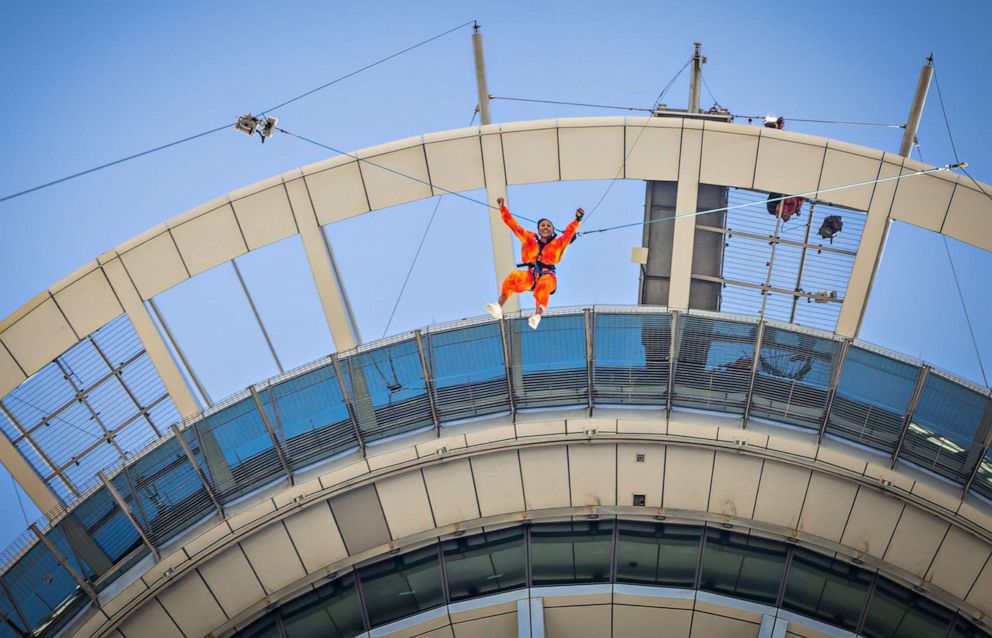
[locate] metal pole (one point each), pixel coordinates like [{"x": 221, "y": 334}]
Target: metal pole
[
  {"x": 428, "y": 382},
  {"x": 802, "y": 264},
  {"x": 182, "y": 357},
  {"x": 121, "y": 503},
  {"x": 694, "y": 79},
  {"x": 76, "y": 576},
  {"x": 267, "y": 422},
  {"x": 916, "y": 111},
  {"x": 832, "y": 392},
  {"x": 258, "y": 318},
  {"x": 771, "y": 262},
  {"x": 921, "y": 381},
  {"x": 508, "y": 365},
  {"x": 673, "y": 356},
  {"x": 352, "y": 414},
  {"x": 196, "y": 468},
  {"x": 480, "y": 75},
  {"x": 758, "y": 339},
  {"x": 590, "y": 345}
]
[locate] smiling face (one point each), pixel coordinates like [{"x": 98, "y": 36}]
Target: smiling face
[{"x": 545, "y": 228}]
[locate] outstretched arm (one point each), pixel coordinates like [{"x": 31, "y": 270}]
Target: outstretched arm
[
  {"x": 518, "y": 230},
  {"x": 562, "y": 241}
]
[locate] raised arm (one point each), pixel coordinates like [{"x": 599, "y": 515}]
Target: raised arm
[
  {"x": 562, "y": 241},
  {"x": 515, "y": 227}
]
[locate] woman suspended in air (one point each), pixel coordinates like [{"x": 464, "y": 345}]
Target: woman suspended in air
[{"x": 539, "y": 252}]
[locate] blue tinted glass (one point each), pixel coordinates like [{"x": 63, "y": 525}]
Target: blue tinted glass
[
  {"x": 40, "y": 585},
  {"x": 631, "y": 363},
  {"x": 311, "y": 415},
  {"x": 714, "y": 364},
  {"x": 389, "y": 390},
  {"x": 872, "y": 398},
  {"x": 468, "y": 370},
  {"x": 238, "y": 449},
  {"x": 793, "y": 377},
  {"x": 944, "y": 427},
  {"x": 402, "y": 585},
  {"x": 549, "y": 364}
]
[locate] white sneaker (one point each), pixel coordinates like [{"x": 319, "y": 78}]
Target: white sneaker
[
  {"x": 495, "y": 310},
  {"x": 534, "y": 321}
]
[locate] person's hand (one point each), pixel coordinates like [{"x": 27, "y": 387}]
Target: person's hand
[
  {"x": 499, "y": 202},
  {"x": 579, "y": 213}
]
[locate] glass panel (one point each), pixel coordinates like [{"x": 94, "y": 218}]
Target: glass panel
[
  {"x": 312, "y": 416},
  {"x": 485, "y": 564},
  {"x": 713, "y": 370},
  {"x": 469, "y": 374},
  {"x": 944, "y": 427},
  {"x": 402, "y": 586},
  {"x": 549, "y": 364},
  {"x": 658, "y": 554},
  {"x": 238, "y": 449},
  {"x": 631, "y": 358},
  {"x": 965, "y": 629},
  {"x": 826, "y": 589},
  {"x": 169, "y": 494},
  {"x": 571, "y": 553},
  {"x": 742, "y": 566},
  {"x": 332, "y": 611},
  {"x": 389, "y": 390},
  {"x": 983, "y": 482},
  {"x": 262, "y": 628},
  {"x": 895, "y": 611},
  {"x": 110, "y": 528},
  {"x": 40, "y": 585},
  {"x": 793, "y": 377},
  {"x": 871, "y": 400}
]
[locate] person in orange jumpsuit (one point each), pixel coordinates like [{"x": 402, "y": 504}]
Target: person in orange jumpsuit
[{"x": 540, "y": 252}]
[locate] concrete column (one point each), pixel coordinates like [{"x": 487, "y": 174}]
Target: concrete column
[{"x": 151, "y": 340}]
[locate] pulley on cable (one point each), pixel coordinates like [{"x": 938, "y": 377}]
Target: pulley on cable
[{"x": 249, "y": 125}]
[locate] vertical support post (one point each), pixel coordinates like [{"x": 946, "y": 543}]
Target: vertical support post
[
  {"x": 122, "y": 504},
  {"x": 428, "y": 382},
  {"x": 276, "y": 444},
  {"x": 916, "y": 110},
  {"x": 921, "y": 380},
  {"x": 765, "y": 290},
  {"x": 508, "y": 365},
  {"x": 258, "y": 317},
  {"x": 26, "y": 476},
  {"x": 144, "y": 326},
  {"x": 352, "y": 412},
  {"x": 686, "y": 205},
  {"x": 673, "y": 357},
  {"x": 832, "y": 392},
  {"x": 984, "y": 433},
  {"x": 802, "y": 264},
  {"x": 590, "y": 352},
  {"x": 182, "y": 356},
  {"x": 196, "y": 468},
  {"x": 76, "y": 576},
  {"x": 480, "y": 75},
  {"x": 84, "y": 545},
  {"x": 755, "y": 359},
  {"x": 695, "y": 77}
]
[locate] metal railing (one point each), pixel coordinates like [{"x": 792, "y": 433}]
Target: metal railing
[{"x": 639, "y": 357}]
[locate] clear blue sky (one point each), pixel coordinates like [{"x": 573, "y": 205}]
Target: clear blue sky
[{"x": 87, "y": 83}]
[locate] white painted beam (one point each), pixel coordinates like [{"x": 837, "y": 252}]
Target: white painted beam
[{"x": 685, "y": 207}]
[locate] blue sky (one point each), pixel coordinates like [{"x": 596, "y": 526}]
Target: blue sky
[{"x": 87, "y": 83}]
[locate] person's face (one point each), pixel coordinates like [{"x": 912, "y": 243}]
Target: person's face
[{"x": 545, "y": 229}]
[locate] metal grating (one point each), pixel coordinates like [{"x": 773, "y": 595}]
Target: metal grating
[
  {"x": 631, "y": 362},
  {"x": 786, "y": 272},
  {"x": 713, "y": 363},
  {"x": 548, "y": 366},
  {"x": 469, "y": 372},
  {"x": 95, "y": 405},
  {"x": 792, "y": 378}
]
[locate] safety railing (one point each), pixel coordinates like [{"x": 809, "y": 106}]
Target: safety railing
[{"x": 638, "y": 357}]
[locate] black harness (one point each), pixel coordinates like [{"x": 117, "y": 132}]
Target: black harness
[{"x": 537, "y": 268}]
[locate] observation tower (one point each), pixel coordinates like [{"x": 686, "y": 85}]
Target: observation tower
[{"x": 724, "y": 458}]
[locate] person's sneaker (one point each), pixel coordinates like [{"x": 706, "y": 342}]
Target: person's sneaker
[
  {"x": 495, "y": 310},
  {"x": 534, "y": 321}
]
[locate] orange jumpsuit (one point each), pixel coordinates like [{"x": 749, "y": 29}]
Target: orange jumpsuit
[{"x": 541, "y": 256}]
